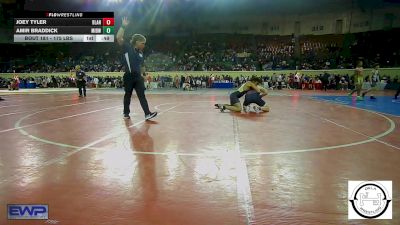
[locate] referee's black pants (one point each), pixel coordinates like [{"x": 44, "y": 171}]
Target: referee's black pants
[
  {"x": 81, "y": 86},
  {"x": 134, "y": 82}
]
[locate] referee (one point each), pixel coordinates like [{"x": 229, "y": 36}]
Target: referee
[
  {"x": 132, "y": 59},
  {"x": 80, "y": 80}
]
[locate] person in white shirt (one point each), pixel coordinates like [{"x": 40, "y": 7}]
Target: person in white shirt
[
  {"x": 373, "y": 80},
  {"x": 96, "y": 82}
]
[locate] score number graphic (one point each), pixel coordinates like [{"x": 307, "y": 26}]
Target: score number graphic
[{"x": 108, "y": 25}]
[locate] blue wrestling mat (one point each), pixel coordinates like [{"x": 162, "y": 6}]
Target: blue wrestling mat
[{"x": 383, "y": 104}]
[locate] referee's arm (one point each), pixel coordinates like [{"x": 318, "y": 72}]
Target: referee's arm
[{"x": 121, "y": 31}]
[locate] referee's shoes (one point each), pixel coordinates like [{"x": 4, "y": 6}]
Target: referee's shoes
[
  {"x": 151, "y": 115},
  {"x": 147, "y": 117}
]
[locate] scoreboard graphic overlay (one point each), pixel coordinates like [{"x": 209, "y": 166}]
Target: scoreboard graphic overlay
[{"x": 64, "y": 27}]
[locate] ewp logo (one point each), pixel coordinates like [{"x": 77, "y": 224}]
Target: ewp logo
[{"x": 28, "y": 212}]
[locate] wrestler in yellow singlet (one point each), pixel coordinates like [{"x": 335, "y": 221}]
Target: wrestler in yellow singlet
[
  {"x": 358, "y": 80},
  {"x": 235, "y": 104}
]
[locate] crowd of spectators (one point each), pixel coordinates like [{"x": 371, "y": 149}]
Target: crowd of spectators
[
  {"x": 219, "y": 53},
  {"x": 60, "y": 82},
  {"x": 209, "y": 53},
  {"x": 296, "y": 80}
]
